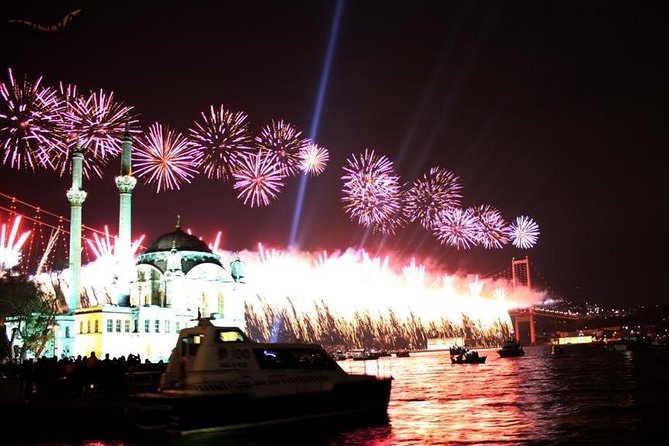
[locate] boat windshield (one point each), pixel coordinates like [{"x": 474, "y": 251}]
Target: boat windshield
[
  {"x": 230, "y": 336},
  {"x": 294, "y": 358}
]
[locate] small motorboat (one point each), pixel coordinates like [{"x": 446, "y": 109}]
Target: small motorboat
[
  {"x": 470, "y": 357},
  {"x": 218, "y": 379},
  {"x": 458, "y": 350},
  {"x": 510, "y": 348},
  {"x": 403, "y": 353},
  {"x": 365, "y": 355}
]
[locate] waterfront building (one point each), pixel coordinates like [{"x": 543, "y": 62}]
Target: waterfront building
[{"x": 147, "y": 299}]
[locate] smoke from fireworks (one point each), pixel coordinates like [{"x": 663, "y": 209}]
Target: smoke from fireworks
[
  {"x": 222, "y": 137},
  {"x": 165, "y": 157}
]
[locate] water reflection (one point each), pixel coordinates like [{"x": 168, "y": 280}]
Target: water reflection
[{"x": 581, "y": 397}]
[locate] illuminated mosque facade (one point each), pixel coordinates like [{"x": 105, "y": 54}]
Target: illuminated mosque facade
[{"x": 175, "y": 281}]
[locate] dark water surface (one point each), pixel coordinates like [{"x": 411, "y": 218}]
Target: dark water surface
[{"x": 584, "y": 396}]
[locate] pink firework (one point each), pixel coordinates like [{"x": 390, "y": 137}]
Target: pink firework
[
  {"x": 314, "y": 158},
  {"x": 434, "y": 192},
  {"x": 493, "y": 229},
  {"x": 259, "y": 179},
  {"x": 99, "y": 122},
  {"x": 524, "y": 232},
  {"x": 391, "y": 223},
  {"x": 457, "y": 227},
  {"x": 222, "y": 137},
  {"x": 371, "y": 191},
  {"x": 30, "y": 128},
  {"x": 165, "y": 157},
  {"x": 11, "y": 245},
  {"x": 286, "y": 144}
]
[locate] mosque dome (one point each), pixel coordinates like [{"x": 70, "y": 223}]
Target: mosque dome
[
  {"x": 178, "y": 252},
  {"x": 179, "y": 240}
]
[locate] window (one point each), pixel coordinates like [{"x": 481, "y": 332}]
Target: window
[
  {"x": 81, "y": 326},
  {"x": 176, "y": 326},
  {"x": 67, "y": 332},
  {"x": 229, "y": 336},
  {"x": 311, "y": 359},
  {"x": 157, "y": 327},
  {"x": 190, "y": 345},
  {"x": 126, "y": 326},
  {"x": 118, "y": 325},
  {"x": 146, "y": 325},
  {"x": 167, "y": 326},
  {"x": 88, "y": 326},
  {"x": 97, "y": 325},
  {"x": 110, "y": 325}
]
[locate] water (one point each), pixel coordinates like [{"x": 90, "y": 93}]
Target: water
[{"x": 586, "y": 396}]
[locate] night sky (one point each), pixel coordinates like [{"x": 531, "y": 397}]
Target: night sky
[{"x": 554, "y": 110}]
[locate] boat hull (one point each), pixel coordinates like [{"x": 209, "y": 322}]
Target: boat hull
[
  {"x": 459, "y": 360},
  {"x": 174, "y": 413}
]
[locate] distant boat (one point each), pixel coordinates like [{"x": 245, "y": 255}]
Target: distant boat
[
  {"x": 404, "y": 353},
  {"x": 470, "y": 357},
  {"x": 364, "y": 355},
  {"x": 458, "y": 350},
  {"x": 510, "y": 348},
  {"x": 339, "y": 355}
]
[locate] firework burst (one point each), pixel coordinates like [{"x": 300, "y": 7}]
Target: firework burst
[
  {"x": 494, "y": 231},
  {"x": 457, "y": 227},
  {"x": 371, "y": 190},
  {"x": 165, "y": 157},
  {"x": 10, "y": 245},
  {"x": 98, "y": 121},
  {"x": 524, "y": 232},
  {"x": 286, "y": 144},
  {"x": 30, "y": 128},
  {"x": 314, "y": 158},
  {"x": 434, "y": 192},
  {"x": 221, "y": 137},
  {"x": 259, "y": 179}
]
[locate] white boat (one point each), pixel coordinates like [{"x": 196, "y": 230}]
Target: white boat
[{"x": 217, "y": 379}]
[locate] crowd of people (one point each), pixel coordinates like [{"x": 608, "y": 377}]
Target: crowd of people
[{"x": 81, "y": 376}]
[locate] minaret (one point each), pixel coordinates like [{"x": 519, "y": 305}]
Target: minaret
[
  {"x": 76, "y": 197},
  {"x": 125, "y": 183}
]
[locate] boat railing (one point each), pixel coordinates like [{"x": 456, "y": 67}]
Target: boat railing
[{"x": 144, "y": 381}]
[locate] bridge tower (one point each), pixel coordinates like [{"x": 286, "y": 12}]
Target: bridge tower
[{"x": 520, "y": 269}]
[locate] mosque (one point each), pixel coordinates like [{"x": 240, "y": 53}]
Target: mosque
[{"x": 175, "y": 281}]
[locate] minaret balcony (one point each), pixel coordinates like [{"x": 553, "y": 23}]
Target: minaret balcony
[
  {"x": 125, "y": 183},
  {"x": 76, "y": 197}
]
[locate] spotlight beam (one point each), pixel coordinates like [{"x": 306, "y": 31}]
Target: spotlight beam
[{"x": 315, "y": 119}]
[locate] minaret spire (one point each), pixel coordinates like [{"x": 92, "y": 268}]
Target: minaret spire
[
  {"x": 125, "y": 183},
  {"x": 76, "y": 196}
]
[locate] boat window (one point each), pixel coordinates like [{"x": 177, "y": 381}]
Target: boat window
[
  {"x": 229, "y": 336},
  {"x": 190, "y": 344},
  {"x": 287, "y": 358}
]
